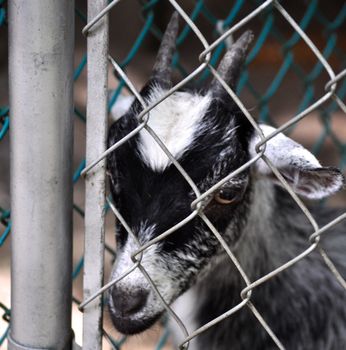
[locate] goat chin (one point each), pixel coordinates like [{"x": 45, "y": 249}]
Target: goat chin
[{"x": 133, "y": 325}]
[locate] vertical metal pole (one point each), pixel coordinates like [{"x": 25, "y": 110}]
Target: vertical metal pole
[
  {"x": 41, "y": 101},
  {"x": 95, "y": 180}
]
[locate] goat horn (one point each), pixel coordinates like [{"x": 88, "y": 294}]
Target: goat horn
[
  {"x": 162, "y": 68},
  {"x": 230, "y": 66}
]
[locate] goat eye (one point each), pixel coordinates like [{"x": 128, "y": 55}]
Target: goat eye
[{"x": 226, "y": 196}]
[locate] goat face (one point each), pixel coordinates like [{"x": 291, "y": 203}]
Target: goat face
[{"x": 210, "y": 138}]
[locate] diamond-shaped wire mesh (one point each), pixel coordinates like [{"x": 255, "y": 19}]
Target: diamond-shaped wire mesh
[
  {"x": 319, "y": 96},
  {"x": 311, "y": 101}
]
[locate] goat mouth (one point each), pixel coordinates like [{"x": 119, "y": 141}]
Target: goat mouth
[{"x": 131, "y": 326}]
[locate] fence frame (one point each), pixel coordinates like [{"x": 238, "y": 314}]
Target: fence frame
[
  {"x": 97, "y": 95},
  {"x": 41, "y": 49}
]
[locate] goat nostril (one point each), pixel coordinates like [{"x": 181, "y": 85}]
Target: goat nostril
[{"x": 129, "y": 302}]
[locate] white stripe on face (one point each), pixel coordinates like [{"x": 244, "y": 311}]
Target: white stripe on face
[{"x": 175, "y": 121}]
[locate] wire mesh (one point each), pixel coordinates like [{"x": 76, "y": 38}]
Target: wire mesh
[
  {"x": 326, "y": 104},
  {"x": 333, "y": 95}
]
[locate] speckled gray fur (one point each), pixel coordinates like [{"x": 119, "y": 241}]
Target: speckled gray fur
[{"x": 305, "y": 306}]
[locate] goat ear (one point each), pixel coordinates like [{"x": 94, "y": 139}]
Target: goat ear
[
  {"x": 120, "y": 107},
  {"x": 298, "y": 166}
]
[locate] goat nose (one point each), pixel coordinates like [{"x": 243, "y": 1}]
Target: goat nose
[{"x": 130, "y": 302}]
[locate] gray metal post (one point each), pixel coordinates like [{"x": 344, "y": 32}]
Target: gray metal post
[
  {"x": 95, "y": 180},
  {"x": 41, "y": 101}
]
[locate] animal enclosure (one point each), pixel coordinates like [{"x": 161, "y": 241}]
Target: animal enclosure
[{"x": 294, "y": 79}]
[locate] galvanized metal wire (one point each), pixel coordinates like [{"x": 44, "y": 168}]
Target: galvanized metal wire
[{"x": 197, "y": 208}]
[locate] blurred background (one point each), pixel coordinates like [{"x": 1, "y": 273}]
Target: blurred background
[{"x": 283, "y": 77}]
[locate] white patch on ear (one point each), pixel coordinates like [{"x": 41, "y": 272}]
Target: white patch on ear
[
  {"x": 282, "y": 151},
  {"x": 120, "y": 107},
  {"x": 175, "y": 120},
  {"x": 300, "y": 167}
]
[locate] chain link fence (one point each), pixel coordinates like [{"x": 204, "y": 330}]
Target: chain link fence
[
  {"x": 323, "y": 86},
  {"x": 268, "y": 11}
]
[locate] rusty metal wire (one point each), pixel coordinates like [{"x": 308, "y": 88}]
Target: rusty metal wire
[{"x": 197, "y": 204}]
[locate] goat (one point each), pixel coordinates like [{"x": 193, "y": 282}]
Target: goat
[{"x": 210, "y": 137}]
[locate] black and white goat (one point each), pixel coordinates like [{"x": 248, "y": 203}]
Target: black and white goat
[{"x": 206, "y": 132}]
